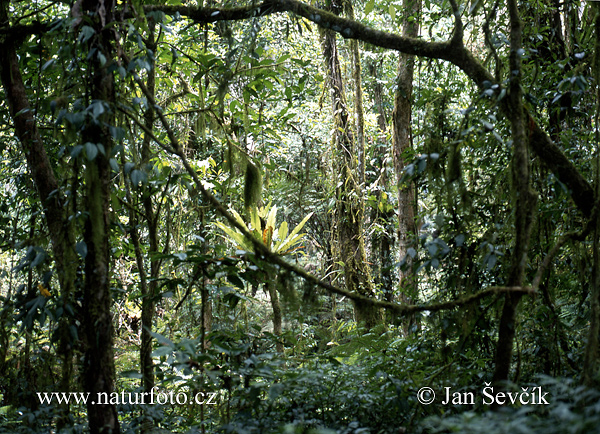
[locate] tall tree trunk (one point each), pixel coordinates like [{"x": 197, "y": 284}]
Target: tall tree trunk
[
  {"x": 524, "y": 200},
  {"x": 555, "y": 49},
  {"x": 99, "y": 368},
  {"x": 207, "y": 317},
  {"x": 149, "y": 290},
  {"x": 592, "y": 352},
  {"x": 350, "y": 207},
  {"x": 401, "y": 142}
]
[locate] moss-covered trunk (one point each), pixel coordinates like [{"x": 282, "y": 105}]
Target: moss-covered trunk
[
  {"x": 350, "y": 246},
  {"x": 401, "y": 143},
  {"x": 276, "y": 307},
  {"x": 99, "y": 368}
]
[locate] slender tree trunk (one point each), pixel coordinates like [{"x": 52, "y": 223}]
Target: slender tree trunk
[
  {"x": 378, "y": 98},
  {"x": 206, "y": 325},
  {"x": 401, "y": 142},
  {"x": 146, "y": 365},
  {"x": 524, "y": 200},
  {"x": 350, "y": 208},
  {"x": 99, "y": 368},
  {"x": 139, "y": 260},
  {"x": 276, "y": 307},
  {"x": 548, "y": 18},
  {"x": 30, "y": 374},
  {"x": 149, "y": 290},
  {"x": 592, "y": 352},
  {"x": 591, "y": 375}
]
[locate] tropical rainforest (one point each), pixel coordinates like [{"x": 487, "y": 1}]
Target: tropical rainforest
[{"x": 286, "y": 216}]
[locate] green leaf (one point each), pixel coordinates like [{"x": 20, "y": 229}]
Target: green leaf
[
  {"x": 138, "y": 177},
  {"x": 117, "y": 133},
  {"x": 128, "y": 168},
  {"x": 162, "y": 351},
  {"x": 301, "y": 224},
  {"x": 491, "y": 261},
  {"x": 254, "y": 219},
  {"x": 131, "y": 374},
  {"x": 86, "y": 33},
  {"x": 97, "y": 109},
  {"x": 282, "y": 234},
  {"x": 76, "y": 151},
  {"x": 487, "y": 125},
  {"x": 47, "y": 64},
  {"x": 293, "y": 239},
  {"x": 369, "y": 6},
  {"x": 235, "y": 236},
  {"x": 181, "y": 256},
  {"x": 239, "y": 219},
  {"x": 290, "y": 243},
  {"x": 393, "y": 12},
  {"x": 271, "y": 217},
  {"x": 91, "y": 150},
  {"x": 275, "y": 390},
  {"x": 162, "y": 340},
  {"x": 39, "y": 258}
]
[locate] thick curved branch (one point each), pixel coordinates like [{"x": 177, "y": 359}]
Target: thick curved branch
[{"x": 345, "y": 27}]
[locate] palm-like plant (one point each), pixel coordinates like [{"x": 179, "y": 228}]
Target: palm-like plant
[{"x": 277, "y": 240}]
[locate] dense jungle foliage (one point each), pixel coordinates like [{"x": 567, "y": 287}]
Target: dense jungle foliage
[{"x": 272, "y": 216}]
